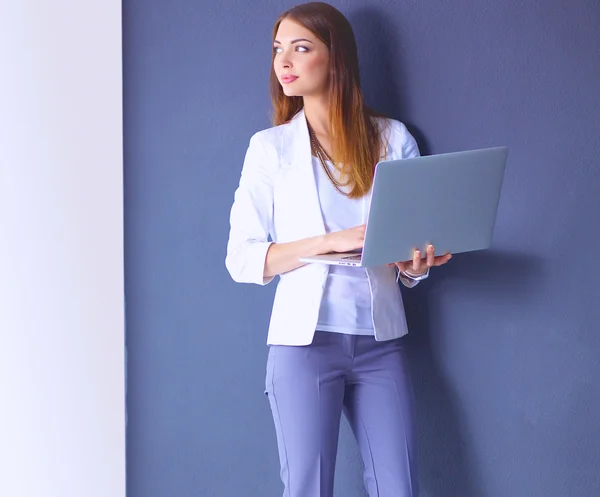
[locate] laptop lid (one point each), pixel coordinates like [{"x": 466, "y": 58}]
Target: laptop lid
[{"x": 448, "y": 200}]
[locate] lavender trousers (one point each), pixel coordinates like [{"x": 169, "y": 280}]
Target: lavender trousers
[{"x": 309, "y": 387}]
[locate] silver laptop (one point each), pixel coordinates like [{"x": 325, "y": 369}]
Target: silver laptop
[{"x": 448, "y": 200}]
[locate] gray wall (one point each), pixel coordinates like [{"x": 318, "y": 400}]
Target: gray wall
[{"x": 504, "y": 343}]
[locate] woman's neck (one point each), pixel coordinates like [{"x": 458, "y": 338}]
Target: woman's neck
[{"x": 316, "y": 110}]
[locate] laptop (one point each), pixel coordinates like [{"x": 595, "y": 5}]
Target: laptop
[{"x": 447, "y": 200}]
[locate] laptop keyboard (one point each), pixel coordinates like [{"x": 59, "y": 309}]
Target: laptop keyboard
[{"x": 353, "y": 257}]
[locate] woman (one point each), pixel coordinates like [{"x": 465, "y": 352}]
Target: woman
[{"x": 334, "y": 336}]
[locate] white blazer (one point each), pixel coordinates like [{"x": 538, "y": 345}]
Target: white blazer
[{"x": 277, "y": 201}]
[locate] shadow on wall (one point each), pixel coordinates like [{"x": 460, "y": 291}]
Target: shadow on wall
[
  {"x": 448, "y": 459},
  {"x": 381, "y": 80},
  {"x": 448, "y": 464}
]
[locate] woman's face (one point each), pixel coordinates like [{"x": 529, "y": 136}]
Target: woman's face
[{"x": 301, "y": 61}]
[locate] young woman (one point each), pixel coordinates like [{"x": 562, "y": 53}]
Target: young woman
[{"x": 334, "y": 336}]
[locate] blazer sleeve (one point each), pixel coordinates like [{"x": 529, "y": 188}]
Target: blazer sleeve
[{"x": 251, "y": 215}]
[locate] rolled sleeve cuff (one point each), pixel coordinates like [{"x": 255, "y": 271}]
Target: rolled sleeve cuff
[{"x": 249, "y": 266}]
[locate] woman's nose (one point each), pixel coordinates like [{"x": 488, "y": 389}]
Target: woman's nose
[{"x": 285, "y": 61}]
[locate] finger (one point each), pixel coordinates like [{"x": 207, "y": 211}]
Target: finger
[
  {"x": 416, "y": 263},
  {"x": 430, "y": 255},
  {"x": 442, "y": 259}
]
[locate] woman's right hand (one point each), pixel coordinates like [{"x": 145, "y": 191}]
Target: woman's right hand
[
  {"x": 346, "y": 240},
  {"x": 284, "y": 257}
]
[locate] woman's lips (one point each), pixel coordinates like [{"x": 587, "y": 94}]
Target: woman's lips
[{"x": 288, "y": 78}]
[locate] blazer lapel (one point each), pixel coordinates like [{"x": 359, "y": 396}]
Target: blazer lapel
[{"x": 296, "y": 154}]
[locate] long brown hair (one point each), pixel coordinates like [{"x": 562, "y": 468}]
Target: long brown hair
[{"x": 356, "y": 138}]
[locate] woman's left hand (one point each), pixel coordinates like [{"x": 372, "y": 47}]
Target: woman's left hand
[{"x": 420, "y": 264}]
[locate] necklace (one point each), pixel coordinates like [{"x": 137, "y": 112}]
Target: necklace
[{"x": 319, "y": 152}]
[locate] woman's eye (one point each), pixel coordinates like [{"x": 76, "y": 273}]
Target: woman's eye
[{"x": 298, "y": 48}]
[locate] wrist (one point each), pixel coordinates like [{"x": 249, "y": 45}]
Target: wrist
[
  {"x": 413, "y": 273},
  {"x": 324, "y": 245}
]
